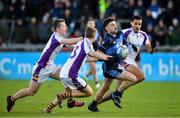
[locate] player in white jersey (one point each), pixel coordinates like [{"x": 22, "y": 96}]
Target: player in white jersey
[
  {"x": 70, "y": 71},
  {"x": 45, "y": 66},
  {"x": 135, "y": 39},
  {"x": 92, "y": 65}
]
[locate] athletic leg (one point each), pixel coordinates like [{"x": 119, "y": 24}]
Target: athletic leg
[
  {"x": 94, "y": 73},
  {"x": 30, "y": 91},
  {"x": 87, "y": 91},
  {"x": 106, "y": 85}
]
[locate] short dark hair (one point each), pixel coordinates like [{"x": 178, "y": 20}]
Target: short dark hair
[
  {"x": 107, "y": 21},
  {"x": 90, "y": 32},
  {"x": 137, "y": 17},
  {"x": 56, "y": 23}
]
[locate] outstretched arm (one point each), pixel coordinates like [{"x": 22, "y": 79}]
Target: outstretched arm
[
  {"x": 71, "y": 41},
  {"x": 98, "y": 55},
  {"x": 91, "y": 59}
]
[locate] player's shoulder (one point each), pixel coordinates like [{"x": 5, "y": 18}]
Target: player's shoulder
[
  {"x": 143, "y": 33},
  {"x": 127, "y": 30},
  {"x": 57, "y": 36},
  {"x": 88, "y": 42},
  {"x": 107, "y": 37}
]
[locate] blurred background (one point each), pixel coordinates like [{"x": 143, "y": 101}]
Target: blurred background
[
  {"x": 25, "y": 26},
  {"x": 29, "y": 21}
]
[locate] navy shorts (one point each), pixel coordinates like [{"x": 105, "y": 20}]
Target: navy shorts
[{"x": 112, "y": 72}]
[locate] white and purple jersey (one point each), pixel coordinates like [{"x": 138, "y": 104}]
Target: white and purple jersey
[
  {"x": 77, "y": 58},
  {"x": 135, "y": 42},
  {"x": 50, "y": 52}
]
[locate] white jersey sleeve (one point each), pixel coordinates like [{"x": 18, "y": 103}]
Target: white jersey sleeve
[{"x": 87, "y": 45}]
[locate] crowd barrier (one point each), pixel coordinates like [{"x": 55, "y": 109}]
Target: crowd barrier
[{"x": 157, "y": 66}]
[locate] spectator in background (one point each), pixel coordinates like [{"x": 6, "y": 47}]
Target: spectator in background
[
  {"x": 99, "y": 24},
  {"x": 175, "y": 33},
  {"x": 149, "y": 30},
  {"x": 75, "y": 9},
  {"x": 33, "y": 30},
  {"x": 57, "y": 10},
  {"x": 171, "y": 11},
  {"x": 44, "y": 28},
  {"x": 3, "y": 33},
  {"x": 23, "y": 9},
  {"x": 160, "y": 32},
  {"x": 21, "y": 32},
  {"x": 12, "y": 9},
  {"x": 155, "y": 9},
  {"x": 130, "y": 8},
  {"x": 139, "y": 9},
  {"x": 149, "y": 19}
]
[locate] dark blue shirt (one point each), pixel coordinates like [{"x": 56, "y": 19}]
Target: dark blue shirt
[{"x": 111, "y": 43}]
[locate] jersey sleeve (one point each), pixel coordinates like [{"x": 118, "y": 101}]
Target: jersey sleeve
[
  {"x": 146, "y": 39},
  {"x": 87, "y": 46},
  {"x": 105, "y": 44},
  {"x": 58, "y": 38}
]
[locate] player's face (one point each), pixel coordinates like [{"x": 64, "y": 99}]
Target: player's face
[
  {"x": 90, "y": 24},
  {"x": 62, "y": 29},
  {"x": 111, "y": 28},
  {"x": 136, "y": 25}
]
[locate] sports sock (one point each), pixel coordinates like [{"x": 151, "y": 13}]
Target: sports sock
[
  {"x": 118, "y": 93},
  {"x": 94, "y": 103},
  {"x": 100, "y": 101},
  {"x": 70, "y": 100},
  {"x": 50, "y": 107},
  {"x": 65, "y": 95}
]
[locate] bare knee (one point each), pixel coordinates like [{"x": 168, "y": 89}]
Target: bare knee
[
  {"x": 140, "y": 77},
  {"x": 90, "y": 93},
  {"x": 31, "y": 92}
]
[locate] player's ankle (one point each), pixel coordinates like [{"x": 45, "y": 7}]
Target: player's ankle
[{"x": 94, "y": 103}]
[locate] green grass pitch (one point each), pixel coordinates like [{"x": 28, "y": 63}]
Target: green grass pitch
[{"x": 147, "y": 99}]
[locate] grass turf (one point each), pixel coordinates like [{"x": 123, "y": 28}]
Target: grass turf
[{"x": 148, "y": 99}]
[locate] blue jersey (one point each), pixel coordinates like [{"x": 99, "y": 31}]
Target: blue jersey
[{"x": 111, "y": 44}]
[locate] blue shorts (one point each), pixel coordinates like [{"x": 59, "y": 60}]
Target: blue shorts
[{"x": 111, "y": 72}]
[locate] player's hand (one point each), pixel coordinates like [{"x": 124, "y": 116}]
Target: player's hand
[
  {"x": 134, "y": 48},
  {"x": 113, "y": 59},
  {"x": 153, "y": 43}
]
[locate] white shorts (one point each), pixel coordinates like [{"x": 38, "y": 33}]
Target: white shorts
[
  {"x": 131, "y": 62},
  {"x": 77, "y": 83},
  {"x": 43, "y": 73}
]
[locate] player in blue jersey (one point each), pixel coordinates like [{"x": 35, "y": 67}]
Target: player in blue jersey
[
  {"x": 111, "y": 43},
  {"x": 136, "y": 39},
  {"x": 45, "y": 66}
]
